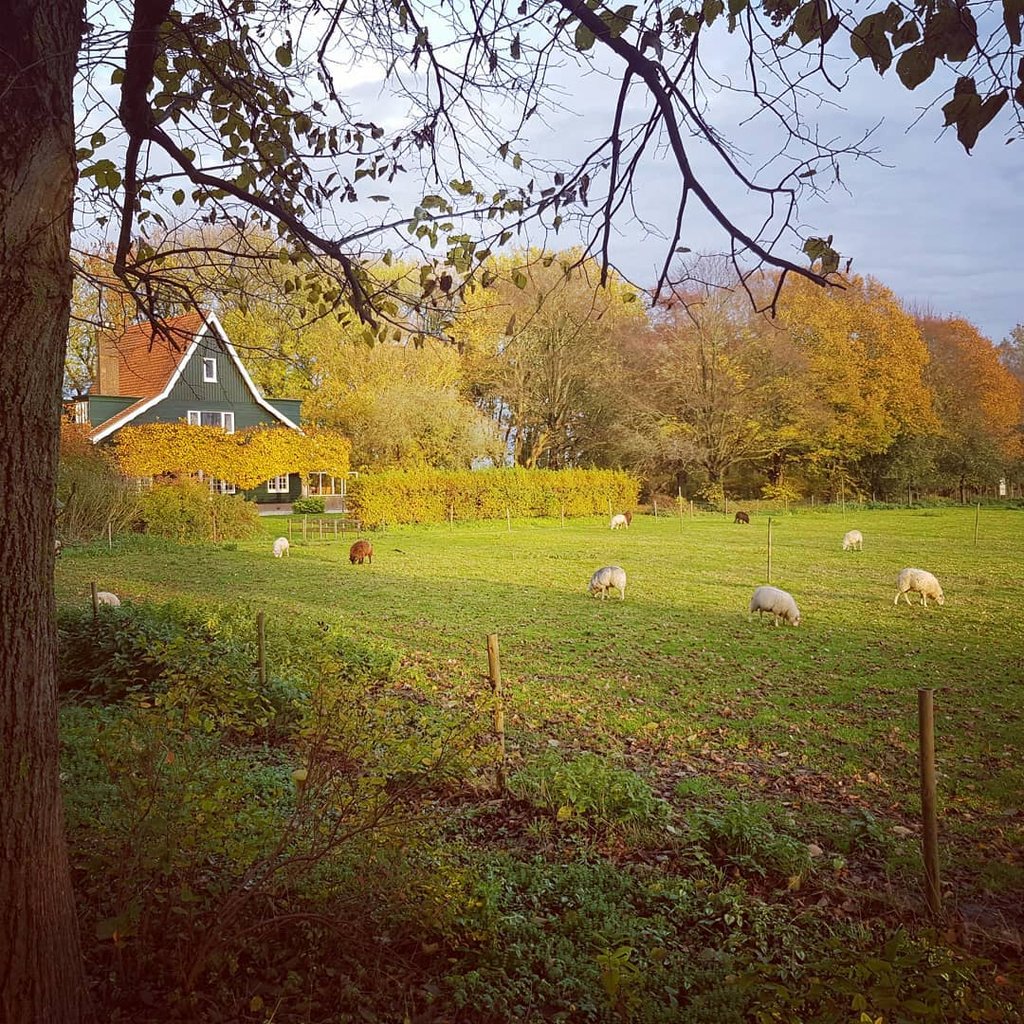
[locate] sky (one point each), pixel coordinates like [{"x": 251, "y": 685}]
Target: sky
[{"x": 941, "y": 227}]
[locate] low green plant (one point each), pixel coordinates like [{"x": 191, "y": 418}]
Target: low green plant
[
  {"x": 202, "y": 661},
  {"x": 308, "y": 506},
  {"x": 588, "y": 788},
  {"x": 746, "y": 836}
]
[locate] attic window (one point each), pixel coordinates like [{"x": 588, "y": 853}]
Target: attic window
[{"x": 209, "y": 370}]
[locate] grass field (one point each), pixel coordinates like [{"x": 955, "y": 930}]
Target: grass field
[
  {"x": 676, "y": 675},
  {"x": 773, "y": 741}
]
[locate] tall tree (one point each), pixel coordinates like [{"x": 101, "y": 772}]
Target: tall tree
[
  {"x": 981, "y": 404},
  {"x": 41, "y": 977},
  {"x": 538, "y": 340},
  {"x": 867, "y": 360}
]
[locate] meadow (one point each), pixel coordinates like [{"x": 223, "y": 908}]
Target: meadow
[{"x": 750, "y": 729}]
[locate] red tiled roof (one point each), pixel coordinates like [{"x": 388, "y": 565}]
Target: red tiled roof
[{"x": 148, "y": 359}]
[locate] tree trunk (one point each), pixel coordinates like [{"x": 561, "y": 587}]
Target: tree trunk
[{"x": 41, "y": 975}]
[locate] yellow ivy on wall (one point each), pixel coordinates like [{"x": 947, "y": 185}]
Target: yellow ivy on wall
[{"x": 246, "y": 458}]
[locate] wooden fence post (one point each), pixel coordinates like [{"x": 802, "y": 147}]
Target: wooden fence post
[
  {"x": 494, "y": 671},
  {"x": 655, "y": 508},
  {"x": 508, "y": 518},
  {"x": 95, "y": 603},
  {"x": 977, "y": 516},
  {"x": 769, "y": 549},
  {"x": 305, "y": 517},
  {"x": 929, "y": 820},
  {"x": 110, "y": 536},
  {"x": 563, "y": 517},
  {"x": 289, "y": 529},
  {"x": 321, "y": 529},
  {"x": 691, "y": 508},
  {"x": 261, "y": 647}
]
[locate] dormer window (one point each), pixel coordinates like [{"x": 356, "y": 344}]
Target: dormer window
[{"x": 209, "y": 370}]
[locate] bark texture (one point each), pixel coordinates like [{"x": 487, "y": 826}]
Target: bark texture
[{"x": 41, "y": 976}]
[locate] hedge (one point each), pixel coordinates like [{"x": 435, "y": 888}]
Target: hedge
[{"x": 427, "y": 495}]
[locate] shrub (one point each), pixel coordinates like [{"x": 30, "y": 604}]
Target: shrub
[
  {"x": 308, "y": 506},
  {"x": 187, "y": 511},
  {"x": 590, "y": 788},
  {"x": 91, "y": 488},
  {"x": 201, "y": 662},
  {"x": 427, "y": 495}
]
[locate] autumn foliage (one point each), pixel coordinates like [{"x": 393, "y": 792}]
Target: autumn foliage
[
  {"x": 246, "y": 458},
  {"x": 429, "y": 496}
]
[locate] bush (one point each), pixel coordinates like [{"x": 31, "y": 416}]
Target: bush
[
  {"x": 93, "y": 491},
  {"x": 308, "y": 506},
  {"x": 427, "y": 495},
  {"x": 201, "y": 662},
  {"x": 588, "y": 787},
  {"x": 188, "y": 512}
]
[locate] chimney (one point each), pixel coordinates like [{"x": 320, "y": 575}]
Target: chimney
[{"x": 108, "y": 370}]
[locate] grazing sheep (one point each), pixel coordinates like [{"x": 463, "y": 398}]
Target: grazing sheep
[
  {"x": 742, "y": 517},
  {"x": 362, "y": 549},
  {"x": 281, "y": 547},
  {"x": 921, "y": 582},
  {"x": 106, "y": 597},
  {"x": 57, "y": 548},
  {"x": 618, "y": 521},
  {"x": 780, "y": 604},
  {"x": 854, "y": 540},
  {"x": 611, "y": 577}
]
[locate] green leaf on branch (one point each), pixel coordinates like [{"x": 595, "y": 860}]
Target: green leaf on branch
[
  {"x": 819, "y": 250},
  {"x": 915, "y": 66},
  {"x": 584, "y": 38}
]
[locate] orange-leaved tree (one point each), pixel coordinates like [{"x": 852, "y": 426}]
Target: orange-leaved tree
[
  {"x": 246, "y": 458},
  {"x": 980, "y": 401}
]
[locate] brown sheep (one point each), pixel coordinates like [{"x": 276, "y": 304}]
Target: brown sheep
[
  {"x": 362, "y": 549},
  {"x": 629, "y": 518},
  {"x": 742, "y": 517}
]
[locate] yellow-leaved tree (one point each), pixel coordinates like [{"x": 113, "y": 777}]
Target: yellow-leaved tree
[
  {"x": 867, "y": 362},
  {"x": 246, "y": 458}
]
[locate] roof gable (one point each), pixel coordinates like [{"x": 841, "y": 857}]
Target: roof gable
[{"x": 154, "y": 367}]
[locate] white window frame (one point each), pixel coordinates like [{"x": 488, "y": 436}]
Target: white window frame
[
  {"x": 274, "y": 484},
  {"x": 209, "y": 369},
  {"x": 227, "y": 419}
]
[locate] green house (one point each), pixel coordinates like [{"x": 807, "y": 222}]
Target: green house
[{"x": 189, "y": 370}]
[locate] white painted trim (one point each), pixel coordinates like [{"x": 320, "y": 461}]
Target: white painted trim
[
  {"x": 213, "y": 360},
  {"x": 210, "y": 321},
  {"x": 198, "y": 415},
  {"x": 116, "y": 424}
]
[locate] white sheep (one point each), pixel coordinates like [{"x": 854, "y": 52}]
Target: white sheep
[
  {"x": 780, "y": 604},
  {"x": 281, "y": 546},
  {"x": 106, "y": 597},
  {"x": 611, "y": 577},
  {"x": 854, "y": 540},
  {"x": 921, "y": 582},
  {"x": 618, "y": 521}
]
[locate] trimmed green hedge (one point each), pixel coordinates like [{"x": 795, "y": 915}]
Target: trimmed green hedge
[{"x": 426, "y": 495}]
